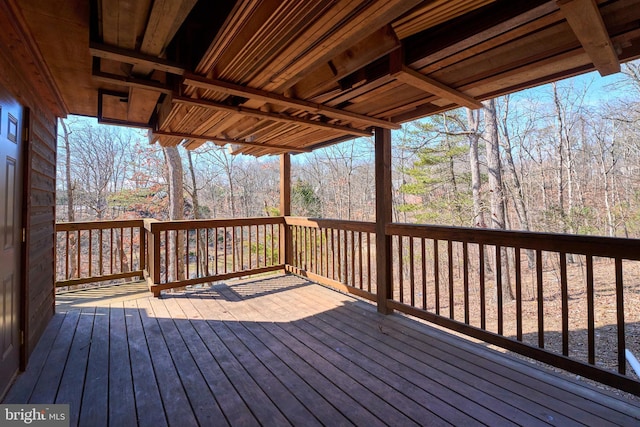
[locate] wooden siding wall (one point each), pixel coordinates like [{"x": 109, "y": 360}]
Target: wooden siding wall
[
  {"x": 21, "y": 73},
  {"x": 40, "y": 182}
]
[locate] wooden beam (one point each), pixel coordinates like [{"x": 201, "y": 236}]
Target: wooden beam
[
  {"x": 413, "y": 78},
  {"x": 286, "y": 243},
  {"x": 585, "y": 20},
  {"x": 165, "y": 19},
  {"x": 274, "y": 98},
  {"x": 214, "y": 139},
  {"x": 250, "y": 112},
  {"x": 384, "y": 202},
  {"x": 131, "y": 82},
  {"x": 134, "y": 58}
]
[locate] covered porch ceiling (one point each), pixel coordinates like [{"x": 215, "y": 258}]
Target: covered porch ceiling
[{"x": 275, "y": 76}]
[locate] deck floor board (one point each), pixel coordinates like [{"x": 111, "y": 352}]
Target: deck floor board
[{"x": 281, "y": 350}]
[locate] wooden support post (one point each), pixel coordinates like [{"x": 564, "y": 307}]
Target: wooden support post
[
  {"x": 383, "y": 217},
  {"x": 285, "y": 208},
  {"x": 152, "y": 270}
]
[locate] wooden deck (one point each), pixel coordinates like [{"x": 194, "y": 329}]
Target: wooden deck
[{"x": 279, "y": 351}]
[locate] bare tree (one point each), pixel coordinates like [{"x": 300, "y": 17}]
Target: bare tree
[
  {"x": 473, "y": 122},
  {"x": 176, "y": 207},
  {"x": 495, "y": 188}
]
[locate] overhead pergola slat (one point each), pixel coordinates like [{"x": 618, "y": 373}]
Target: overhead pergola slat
[
  {"x": 250, "y": 112},
  {"x": 260, "y": 95},
  {"x": 224, "y": 141}
]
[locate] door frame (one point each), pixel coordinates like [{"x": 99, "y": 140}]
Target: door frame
[{"x": 24, "y": 252}]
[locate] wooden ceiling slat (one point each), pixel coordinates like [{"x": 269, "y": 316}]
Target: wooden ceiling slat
[
  {"x": 434, "y": 13},
  {"x": 227, "y": 141},
  {"x": 267, "y": 115},
  {"x": 232, "y": 89},
  {"x": 287, "y": 69}
]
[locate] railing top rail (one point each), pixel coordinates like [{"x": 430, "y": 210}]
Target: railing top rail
[
  {"x": 363, "y": 226},
  {"x": 212, "y": 223},
  {"x": 613, "y": 247},
  {"x": 98, "y": 225}
]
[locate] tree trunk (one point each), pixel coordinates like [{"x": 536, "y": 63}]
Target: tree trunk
[
  {"x": 71, "y": 250},
  {"x": 474, "y": 161},
  {"x": 203, "y": 264},
  {"x": 518, "y": 193},
  {"x": 495, "y": 189},
  {"x": 176, "y": 210}
]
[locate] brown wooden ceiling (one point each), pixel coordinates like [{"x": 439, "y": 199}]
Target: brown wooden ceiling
[{"x": 271, "y": 76}]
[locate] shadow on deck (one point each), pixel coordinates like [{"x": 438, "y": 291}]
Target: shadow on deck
[{"x": 282, "y": 350}]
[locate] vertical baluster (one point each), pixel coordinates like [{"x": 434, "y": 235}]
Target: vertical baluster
[
  {"x": 622, "y": 364},
  {"x": 79, "y": 248},
  {"x": 323, "y": 254},
  {"x": 131, "y": 249},
  {"x": 90, "y": 253},
  {"x": 207, "y": 238},
  {"x": 590, "y": 312},
  {"x": 313, "y": 235},
  {"x": 166, "y": 256},
  {"x": 68, "y": 254},
  {"x": 483, "y": 300},
  {"x": 345, "y": 253},
  {"x": 436, "y": 275},
  {"x": 186, "y": 252},
  {"x": 518, "y": 295},
  {"x": 565, "y": 303},
  {"x": 100, "y": 256},
  {"x": 304, "y": 248},
  {"x": 272, "y": 261},
  {"x": 110, "y": 252},
  {"x": 360, "y": 267},
  {"x": 539, "y": 286},
  {"x": 121, "y": 250},
  {"x": 499, "y": 288},
  {"x": 295, "y": 230},
  {"x": 368, "y": 262},
  {"x": 176, "y": 244},
  {"x": 215, "y": 251},
  {"x": 412, "y": 278},
  {"x": 400, "y": 272},
  {"x": 339, "y": 242},
  {"x": 465, "y": 273},
  {"x": 233, "y": 248},
  {"x": 352, "y": 254},
  {"x": 333, "y": 256},
  {"x": 450, "y": 265},
  {"x": 241, "y": 261},
  {"x": 264, "y": 243},
  {"x": 200, "y": 233},
  {"x": 424, "y": 273}
]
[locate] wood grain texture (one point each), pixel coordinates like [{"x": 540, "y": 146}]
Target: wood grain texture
[{"x": 282, "y": 350}]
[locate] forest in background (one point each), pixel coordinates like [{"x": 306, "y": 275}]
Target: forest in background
[{"x": 556, "y": 158}]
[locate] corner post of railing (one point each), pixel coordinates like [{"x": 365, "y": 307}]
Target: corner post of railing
[
  {"x": 152, "y": 270},
  {"x": 384, "y": 202},
  {"x": 286, "y": 242}
]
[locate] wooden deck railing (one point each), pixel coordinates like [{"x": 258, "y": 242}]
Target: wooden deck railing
[
  {"x": 566, "y": 300},
  {"x": 99, "y": 251},
  {"x": 336, "y": 253},
  {"x": 182, "y": 253},
  {"x": 570, "y": 301}
]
